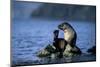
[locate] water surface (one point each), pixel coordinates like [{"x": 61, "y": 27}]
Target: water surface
[{"x": 32, "y": 35}]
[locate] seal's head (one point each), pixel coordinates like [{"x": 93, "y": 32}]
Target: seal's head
[
  {"x": 64, "y": 26},
  {"x": 56, "y": 32}
]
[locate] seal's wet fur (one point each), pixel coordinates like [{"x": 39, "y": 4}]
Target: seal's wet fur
[
  {"x": 59, "y": 43},
  {"x": 70, "y": 36}
]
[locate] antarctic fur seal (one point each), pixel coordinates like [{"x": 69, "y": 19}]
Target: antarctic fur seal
[
  {"x": 59, "y": 43},
  {"x": 70, "y": 36}
]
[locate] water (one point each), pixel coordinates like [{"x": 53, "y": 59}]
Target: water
[{"x": 31, "y": 35}]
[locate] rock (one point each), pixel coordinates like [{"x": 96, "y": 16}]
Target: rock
[
  {"x": 69, "y": 51},
  {"x": 43, "y": 53},
  {"x": 92, "y": 50},
  {"x": 47, "y": 51},
  {"x": 50, "y": 48},
  {"x": 54, "y": 55}
]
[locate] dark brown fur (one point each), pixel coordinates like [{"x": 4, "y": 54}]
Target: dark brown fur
[{"x": 59, "y": 43}]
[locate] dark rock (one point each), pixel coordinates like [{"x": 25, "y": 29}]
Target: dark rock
[
  {"x": 47, "y": 51},
  {"x": 50, "y": 51},
  {"x": 92, "y": 50}
]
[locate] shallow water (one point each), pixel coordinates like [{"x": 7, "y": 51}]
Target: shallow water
[{"x": 31, "y": 35}]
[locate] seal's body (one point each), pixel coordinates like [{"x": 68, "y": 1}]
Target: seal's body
[
  {"x": 69, "y": 33},
  {"x": 59, "y": 43},
  {"x": 70, "y": 36}
]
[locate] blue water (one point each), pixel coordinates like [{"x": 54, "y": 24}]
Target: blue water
[{"x": 31, "y": 35}]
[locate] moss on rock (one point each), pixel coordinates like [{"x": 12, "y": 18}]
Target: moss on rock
[{"x": 50, "y": 49}]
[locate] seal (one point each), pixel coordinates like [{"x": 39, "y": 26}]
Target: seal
[
  {"x": 70, "y": 36},
  {"x": 59, "y": 43}
]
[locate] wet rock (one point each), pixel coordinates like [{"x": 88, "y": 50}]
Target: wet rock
[
  {"x": 43, "y": 53},
  {"x": 50, "y": 51},
  {"x": 47, "y": 51},
  {"x": 71, "y": 51},
  {"x": 50, "y": 48},
  {"x": 92, "y": 50}
]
